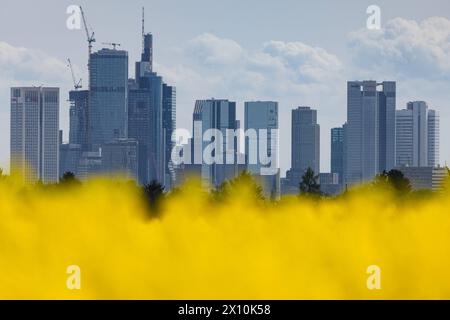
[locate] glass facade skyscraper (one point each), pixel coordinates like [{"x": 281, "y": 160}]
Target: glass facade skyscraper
[
  {"x": 145, "y": 125},
  {"x": 305, "y": 144},
  {"x": 34, "y": 140},
  {"x": 108, "y": 75},
  {"x": 169, "y": 126},
  {"x": 417, "y": 136},
  {"x": 370, "y": 130},
  {"x": 219, "y": 115},
  {"x": 263, "y": 115},
  {"x": 78, "y": 115}
]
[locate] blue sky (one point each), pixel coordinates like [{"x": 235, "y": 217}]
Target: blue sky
[{"x": 294, "y": 52}]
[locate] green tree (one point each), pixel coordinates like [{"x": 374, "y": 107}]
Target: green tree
[
  {"x": 243, "y": 180},
  {"x": 69, "y": 178},
  {"x": 154, "y": 193},
  {"x": 309, "y": 184},
  {"x": 394, "y": 179}
]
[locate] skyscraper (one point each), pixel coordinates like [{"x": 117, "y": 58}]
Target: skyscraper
[
  {"x": 151, "y": 118},
  {"x": 35, "y": 133},
  {"x": 433, "y": 138},
  {"x": 169, "y": 126},
  {"x": 386, "y": 125},
  {"x": 337, "y": 152},
  {"x": 305, "y": 143},
  {"x": 219, "y": 115},
  {"x": 145, "y": 124},
  {"x": 108, "y": 78},
  {"x": 370, "y": 130},
  {"x": 263, "y": 115},
  {"x": 417, "y": 136},
  {"x": 78, "y": 115}
]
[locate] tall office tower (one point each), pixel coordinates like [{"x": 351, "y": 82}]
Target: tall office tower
[
  {"x": 108, "y": 78},
  {"x": 35, "y": 133},
  {"x": 151, "y": 110},
  {"x": 139, "y": 126},
  {"x": 305, "y": 144},
  {"x": 219, "y": 115},
  {"x": 386, "y": 125},
  {"x": 78, "y": 115},
  {"x": 433, "y": 138},
  {"x": 169, "y": 103},
  {"x": 337, "y": 152},
  {"x": 145, "y": 124},
  {"x": 262, "y": 117},
  {"x": 370, "y": 130},
  {"x": 121, "y": 156},
  {"x": 417, "y": 136}
]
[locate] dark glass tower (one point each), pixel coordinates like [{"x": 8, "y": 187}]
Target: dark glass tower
[
  {"x": 108, "y": 73},
  {"x": 78, "y": 131},
  {"x": 169, "y": 125}
]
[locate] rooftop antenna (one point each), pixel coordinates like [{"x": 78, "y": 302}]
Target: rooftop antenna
[{"x": 143, "y": 29}]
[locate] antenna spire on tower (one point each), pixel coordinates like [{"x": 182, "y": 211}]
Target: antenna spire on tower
[{"x": 143, "y": 29}]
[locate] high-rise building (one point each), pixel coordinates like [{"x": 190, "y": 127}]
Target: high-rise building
[
  {"x": 169, "y": 126},
  {"x": 417, "y": 140},
  {"x": 433, "y": 138},
  {"x": 219, "y": 115},
  {"x": 305, "y": 144},
  {"x": 108, "y": 79},
  {"x": 121, "y": 157},
  {"x": 337, "y": 152},
  {"x": 151, "y": 118},
  {"x": 386, "y": 125},
  {"x": 35, "y": 133},
  {"x": 78, "y": 115},
  {"x": 262, "y": 116},
  {"x": 145, "y": 124},
  {"x": 370, "y": 130}
]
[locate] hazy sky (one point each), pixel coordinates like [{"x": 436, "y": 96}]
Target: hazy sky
[{"x": 295, "y": 52}]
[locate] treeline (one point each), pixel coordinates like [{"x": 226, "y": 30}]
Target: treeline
[{"x": 155, "y": 194}]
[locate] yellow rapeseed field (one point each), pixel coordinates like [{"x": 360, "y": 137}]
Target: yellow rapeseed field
[{"x": 236, "y": 249}]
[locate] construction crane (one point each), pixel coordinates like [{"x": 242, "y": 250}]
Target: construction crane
[
  {"x": 113, "y": 44},
  {"x": 76, "y": 85},
  {"x": 90, "y": 36}
]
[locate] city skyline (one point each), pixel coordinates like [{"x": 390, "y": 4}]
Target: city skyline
[{"x": 274, "y": 49}]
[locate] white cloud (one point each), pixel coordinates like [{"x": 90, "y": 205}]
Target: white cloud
[
  {"x": 224, "y": 67},
  {"x": 209, "y": 49},
  {"x": 22, "y": 65},
  {"x": 309, "y": 64},
  {"x": 405, "y": 47}
]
